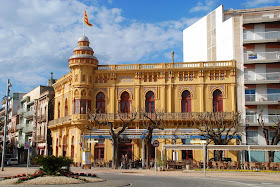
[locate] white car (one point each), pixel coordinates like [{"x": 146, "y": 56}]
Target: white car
[{"x": 12, "y": 161}]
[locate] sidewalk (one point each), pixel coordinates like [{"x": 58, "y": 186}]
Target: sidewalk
[
  {"x": 266, "y": 176},
  {"x": 12, "y": 171}
]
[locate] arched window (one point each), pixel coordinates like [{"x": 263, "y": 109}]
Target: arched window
[
  {"x": 72, "y": 147},
  {"x": 66, "y": 107},
  {"x": 186, "y": 101},
  {"x": 58, "y": 110},
  {"x": 100, "y": 102},
  {"x": 64, "y": 146},
  {"x": 150, "y": 102},
  {"x": 217, "y": 101},
  {"x": 57, "y": 145},
  {"x": 125, "y": 103}
]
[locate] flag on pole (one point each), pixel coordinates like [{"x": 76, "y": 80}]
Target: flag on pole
[{"x": 86, "y": 20}]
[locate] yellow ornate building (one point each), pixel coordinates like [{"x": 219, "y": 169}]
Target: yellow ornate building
[{"x": 179, "y": 89}]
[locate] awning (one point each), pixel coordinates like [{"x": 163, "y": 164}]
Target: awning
[{"x": 224, "y": 147}]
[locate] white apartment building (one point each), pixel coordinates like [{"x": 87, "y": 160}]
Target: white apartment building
[
  {"x": 30, "y": 115},
  {"x": 11, "y": 134},
  {"x": 252, "y": 38}
]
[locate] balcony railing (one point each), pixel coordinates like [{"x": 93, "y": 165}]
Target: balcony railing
[
  {"x": 20, "y": 126},
  {"x": 275, "y": 76},
  {"x": 21, "y": 141},
  {"x": 27, "y": 129},
  {"x": 168, "y": 65},
  {"x": 30, "y": 113},
  {"x": 265, "y": 17},
  {"x": 126, "y": 116},
  {"x": 20, "y": 111},
  {"x": 40, "y": 138},
  {"x": 261, "y": 56},
  {"x": 42, "y": 118},
  {"x": 262, "y": 97},
  {"x": 266, "y": 118},
  {"x": 272, "y": 35},
  {"x": 59, "y": 120}
]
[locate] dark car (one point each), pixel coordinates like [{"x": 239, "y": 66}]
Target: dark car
[{"x": 223, "y": 159}]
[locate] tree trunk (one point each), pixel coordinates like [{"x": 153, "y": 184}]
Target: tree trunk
[
  {"x": 115, "y": 159},
  {"x": 219, "y": 155},
  {"x": 271, "y": 156},
  {"x": 148, "y": 141}
]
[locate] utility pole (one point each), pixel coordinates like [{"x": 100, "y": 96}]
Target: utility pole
[{"x": 5, "y": 126}]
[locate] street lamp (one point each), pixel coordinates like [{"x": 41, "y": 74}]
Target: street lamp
[
  {"x": 90, "y": 129},
  {"x": 5, "y": 126}
]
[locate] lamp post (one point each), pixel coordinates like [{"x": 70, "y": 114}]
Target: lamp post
[{"x": 5, "y": 126}]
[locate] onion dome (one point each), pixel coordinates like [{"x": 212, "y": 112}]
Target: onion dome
[{"x": 83, "y": 54}]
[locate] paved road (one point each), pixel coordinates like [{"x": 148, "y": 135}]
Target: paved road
[
  {"x": 166, "y": 181},
  {"x": 137, "y": 179},
  {"x": 117, "y": 180}
]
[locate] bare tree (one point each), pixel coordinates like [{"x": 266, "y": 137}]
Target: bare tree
[
  {"x": 151, "y": 121},
  {"x": 275, "y": 138},
  {"x": 115, "y": 133},
  {"x": 217, "y": 127}
]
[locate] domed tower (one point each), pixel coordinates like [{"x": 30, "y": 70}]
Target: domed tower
[{"x": 82, "y": 65}]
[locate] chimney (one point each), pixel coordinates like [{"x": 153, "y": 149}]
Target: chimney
[{"x": 172, "y": 56}]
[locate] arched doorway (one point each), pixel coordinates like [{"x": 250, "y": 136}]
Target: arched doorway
[
  {"x": 100, "y": 102},
  {"x": 125, "y": 103},
  {"x": 66, "y": 107},
  {"x": 150, "y": 102},
  {"x": 64, "y": 146},
  {"x": 186, "y": 101},
  {"x": 58, "y": 110},
  {"x": 72, "y": 148},
  {"x": 56, "y": 148},
  {"x": 217, "y": 101}
]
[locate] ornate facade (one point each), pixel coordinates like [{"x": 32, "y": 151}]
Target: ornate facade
[{"x": 178, "y": 89}]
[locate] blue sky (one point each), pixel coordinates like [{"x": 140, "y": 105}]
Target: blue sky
[{"x": 38, "y": 36}]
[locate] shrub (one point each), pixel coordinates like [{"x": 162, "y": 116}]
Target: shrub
[{"x": 52, "y": 165}]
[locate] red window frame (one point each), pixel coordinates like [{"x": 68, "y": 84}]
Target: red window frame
[
  {"x": 125, "y": 103},
  {"x": 186, "y": 101},
  {"x": 150, "y": 102},
  {"x": 217, "y": 101},
  {"x": 100, "y": 102}
]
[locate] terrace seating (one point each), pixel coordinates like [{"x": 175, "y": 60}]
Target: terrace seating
[
  {"x": 265, "y": 165},
  {"x": 246, "y": 165}
]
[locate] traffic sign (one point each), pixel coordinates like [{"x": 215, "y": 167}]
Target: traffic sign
[
  {"x": 156, "y": 143},
  {"x": 26, "y": 145}
]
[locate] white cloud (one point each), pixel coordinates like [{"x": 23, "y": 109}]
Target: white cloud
[
  {"x": 205, "y": 6},
  {"x": 38, "y": 37},
  {"x": 256, "y": 3}
]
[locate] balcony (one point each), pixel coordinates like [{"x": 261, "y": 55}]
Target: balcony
[
  {"x": 40, "y": 138},
  {"x": 261, "y": 37},
  {"x": 261, "y": 18},
  {"x": 115, "y": 117},
  {"x": 262, "y": 78},
  {"x": 29, "y": 114},
  {"x": 21, "y": 111},
  {"x": 42, "y": 118},
  {"x": 268, "y": 119},
  {"x": 20, "y": 126},
  {"x": 21, "y": 142},
  {"x": 28, "y": 129},
  {"x": 177, "y": 65},
  {"x": 262, "y": 99},
  {"x": 59, "y": 120},
  {"x": 261, "y": 57}
]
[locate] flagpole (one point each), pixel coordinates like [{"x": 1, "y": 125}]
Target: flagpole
[{"x": 84, "y": 24}]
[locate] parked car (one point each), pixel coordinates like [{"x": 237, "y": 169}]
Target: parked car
[
  {"x": 12, "y": 161},
  {"x": 223, "y": 159}
]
